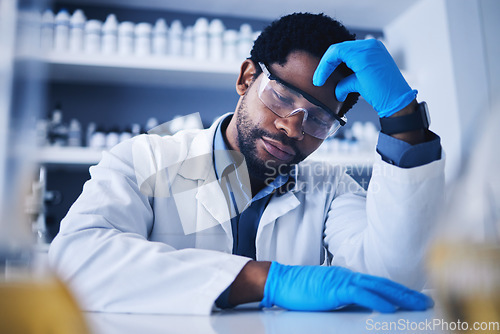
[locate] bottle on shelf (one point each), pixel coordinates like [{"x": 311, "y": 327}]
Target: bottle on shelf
[
  {"x": 110, "y": 35},
  {"x": 188, "y": 43},
  {"x": 160, "y": 31},
  {"x": 74, "y": 133},
  {"x": 215, "y": 43},
  {"x": 77, "y": 31},
  {"x": 91, "y": 128},
  {"x": 175, "y": 38},
  {"x": 143, "y": 39},
  {"x": 200, "y": 30},
  {"x": 47, "y": 31},
  {"x": 61, "y": 31},
  {"x": 126, "y": 38},
  {"x": 245, "y": 41},
  {"x": 136, "y": 129},
  {"x": 230, "y": 45},
  {"x": 126, "y": 134},
  {"x": 98, "y": 138},
  {"x": 93, "y": 36},
  {"x": 151, "y": 123},
  {"x": 112, "y": 138},
  {"x": 58, "y": 131}
]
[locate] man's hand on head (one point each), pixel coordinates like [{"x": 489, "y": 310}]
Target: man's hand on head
[{"x": 376, "y": 76}]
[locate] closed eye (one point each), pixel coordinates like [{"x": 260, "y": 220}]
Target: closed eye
[
  {"x": 283, "y": 99},
  {"x": 318, "y": 120}
]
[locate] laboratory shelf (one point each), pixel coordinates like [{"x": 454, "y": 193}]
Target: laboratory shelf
[
  {"x": 165, "y": 71},
  {"x": 82, "y": 156},
  {"x": 141, "y": 70}
]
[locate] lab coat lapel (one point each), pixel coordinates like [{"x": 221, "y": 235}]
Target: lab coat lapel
[
  {"x": 210, "y": 207},
  {"x": 281, "y": 203},
  {"x": 278, "y": 206}
]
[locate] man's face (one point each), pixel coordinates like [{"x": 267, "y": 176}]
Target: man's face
[{"x": 271, "y": 144}]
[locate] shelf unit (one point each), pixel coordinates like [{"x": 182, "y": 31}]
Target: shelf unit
[
  {"x": 79, "y": 156},
  {"x": 82, "y": 156},
  {"x": 135, "y": 70},
  {"x": 161, "y": 71}
]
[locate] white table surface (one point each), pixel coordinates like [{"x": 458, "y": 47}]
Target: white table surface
[{"x": 249, "y": 319}]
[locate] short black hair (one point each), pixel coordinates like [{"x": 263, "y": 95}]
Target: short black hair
[{"x": 313, "y": 33}]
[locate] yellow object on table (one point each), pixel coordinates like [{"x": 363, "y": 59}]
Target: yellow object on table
[
  {"x": 39, "y": 306},
  {"x": 467, "y": 281}
]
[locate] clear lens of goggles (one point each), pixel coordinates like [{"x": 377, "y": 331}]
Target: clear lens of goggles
[{"x": 285, "y": 102}]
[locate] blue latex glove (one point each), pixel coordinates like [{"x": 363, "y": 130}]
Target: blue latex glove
[
  {"x": 376, "y": 76},
  {"x": 318, "y": 288}
]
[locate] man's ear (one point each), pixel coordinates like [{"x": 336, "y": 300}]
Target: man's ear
[{"x": 246, "y": 76}]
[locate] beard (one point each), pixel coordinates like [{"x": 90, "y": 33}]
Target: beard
[{"x": 248, "y": 134}]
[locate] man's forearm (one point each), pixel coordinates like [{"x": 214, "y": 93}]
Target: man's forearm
[{"x": 249, "y": 285}]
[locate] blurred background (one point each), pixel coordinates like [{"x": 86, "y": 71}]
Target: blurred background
[{"x": 87, "y": 74}]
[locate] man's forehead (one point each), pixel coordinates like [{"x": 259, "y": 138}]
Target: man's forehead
[{"x": 298, "y": 70}]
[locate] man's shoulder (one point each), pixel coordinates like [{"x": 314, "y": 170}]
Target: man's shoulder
[
  {"x": 151, "y": 142},
  {"x": 153, "y": 149},
  {"x": 183, "y": 136}
]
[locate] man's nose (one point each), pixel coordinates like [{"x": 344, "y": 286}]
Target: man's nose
[{"x": 292, "y": 125}]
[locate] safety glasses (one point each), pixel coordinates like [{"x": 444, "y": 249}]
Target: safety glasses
[{"x": 285, "y": 100}]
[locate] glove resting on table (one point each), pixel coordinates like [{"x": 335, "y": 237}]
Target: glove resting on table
[{"x": 319, "y": 288}]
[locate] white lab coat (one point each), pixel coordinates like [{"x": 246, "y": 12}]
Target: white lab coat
[{"x": 151, "y": 233}]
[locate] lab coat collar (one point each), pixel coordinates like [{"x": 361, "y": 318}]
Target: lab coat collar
[{"x": 198, "y": 164}]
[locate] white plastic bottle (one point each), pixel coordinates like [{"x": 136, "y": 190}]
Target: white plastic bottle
[
  {"x": 98, "y": 139},
  {"x": 93, "y": 37},
  {"x": 200, "y": 31},
  {"x": 136, "y": 129},
  {"x": 91, "y": 128},
  {"x": 245, "y": 41},
  {"x": 230, "y": 45},
  {"x": 160, "y": 32},
  {"x": 61, "y": 31},
  {"x": 126, "y": 38},
  {"x": 143, "y": 39},
  {"x": 125, "y": 135},
  {"x": 188, "y": 43},
  {"x": 112, "y": 138},
  {"x": 110, "y": 35},
  {"x": 175, "y": 38},
  {"x": 47, "y": 31},
  {"x": 215, "y": 44},
  {"x": 77, "y": 31},
  {"x": 151, "y": 123},
  {"x": 74, "y": 134}
]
